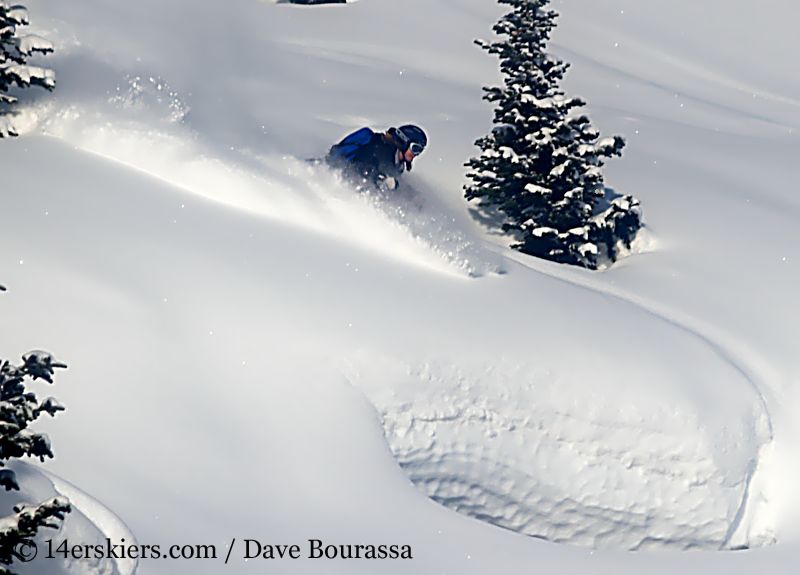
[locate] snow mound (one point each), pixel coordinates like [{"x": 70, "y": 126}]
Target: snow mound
[
  {"x": 89, "y": 523},
  {"x": 520, "y": 447}
]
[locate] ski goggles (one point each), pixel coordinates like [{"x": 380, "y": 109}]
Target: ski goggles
[
  {"x": 408, "y": 145},
  {"x": 416, "y": 148}
]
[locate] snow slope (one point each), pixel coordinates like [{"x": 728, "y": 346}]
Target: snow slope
[{"x": 246, "y": 336}]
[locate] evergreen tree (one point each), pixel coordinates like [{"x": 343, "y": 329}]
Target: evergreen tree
[
  {"x": 541, "y": 164},
  {"x": 15, "y": 49},
  {"x": 16, "y": 531},
  {"x": 19, "y": 407}
]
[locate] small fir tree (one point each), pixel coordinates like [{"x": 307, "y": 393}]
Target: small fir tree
[
  {"x": 17, "y": 531},
  {"x": 15, "y": 49},
  {"x": 541, "y": 164},
  {"x": 20, "y": 407}
]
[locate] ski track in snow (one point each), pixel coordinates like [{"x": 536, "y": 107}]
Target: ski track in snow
[{"x": 281, "y": 188}]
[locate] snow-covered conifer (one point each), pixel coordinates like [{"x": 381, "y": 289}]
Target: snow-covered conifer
[
  {"x": 19, "y": 407},
  {"x": 15, "y": 49},
  {"x": 16, "y": 530},
  {"x": 541, "y": 164}
]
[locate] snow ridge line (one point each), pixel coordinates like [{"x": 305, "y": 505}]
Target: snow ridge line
[
  {"x": 104, "y": 519},
  {"x": 742, "y": 510},
  {"x": 693, "y": 328}
]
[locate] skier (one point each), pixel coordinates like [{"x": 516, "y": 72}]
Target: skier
[{"x": 378, "y": 159}]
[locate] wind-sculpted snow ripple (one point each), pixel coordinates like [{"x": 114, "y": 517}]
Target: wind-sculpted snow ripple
[{"x": 522, "y": 449}]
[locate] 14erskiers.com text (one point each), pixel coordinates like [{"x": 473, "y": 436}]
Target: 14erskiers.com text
[{"x": 253, "y": 549}]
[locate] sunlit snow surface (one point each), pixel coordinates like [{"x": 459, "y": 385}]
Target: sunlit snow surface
[{"x": 235, "y": 317}]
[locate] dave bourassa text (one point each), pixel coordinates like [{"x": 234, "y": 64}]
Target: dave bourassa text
[{"x": 316, "y": 549}]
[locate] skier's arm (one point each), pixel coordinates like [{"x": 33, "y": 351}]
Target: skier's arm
[
  {"x": 389, "y": 173},
  {"x": 389, "y": 182}
]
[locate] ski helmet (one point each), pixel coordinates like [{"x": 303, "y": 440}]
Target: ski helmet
[{"x": 410, "y": 135}]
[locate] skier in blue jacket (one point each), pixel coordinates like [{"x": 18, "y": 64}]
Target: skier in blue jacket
[{"x": 378, "y": 158}]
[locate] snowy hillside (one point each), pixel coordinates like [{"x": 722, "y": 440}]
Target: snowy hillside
[{"x": 258, "y": 352}]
